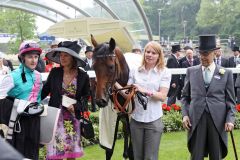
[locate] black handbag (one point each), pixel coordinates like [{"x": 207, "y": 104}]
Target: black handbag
[
  {"x": 33, "y": 109},
  {"x": 86, "y": 128}
]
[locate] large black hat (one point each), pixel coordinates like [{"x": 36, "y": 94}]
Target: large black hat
[
  {"x": 235, "y": 48},
  {"x": 207, "y": 43},
  {"x": 176, "y": 48},
  {"x": 89, "y": 49},
  {"x": 72, "y": 48}
]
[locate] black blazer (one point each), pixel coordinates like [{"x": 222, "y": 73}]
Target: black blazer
[
  {"x": 87, "y": 67},
  {"x": 186, "y": 63},
  {"x": 53, "y": 86},
  {"x": 172, "y": 62},
  {"x": 224, "y": 62},
  {"x": 231, "y": 63}
]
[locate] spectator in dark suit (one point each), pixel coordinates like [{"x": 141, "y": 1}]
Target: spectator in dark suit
[
  {"x": 88, "y": 60},
  {"x": 232, "y": 62},
  {"x": 189, "y": 62},
  {"x": 219, "y": 60},
  {"x": 172, "y": 62}
]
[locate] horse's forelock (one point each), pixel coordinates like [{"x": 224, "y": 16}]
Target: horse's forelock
[{"x": 102, "y": 49}]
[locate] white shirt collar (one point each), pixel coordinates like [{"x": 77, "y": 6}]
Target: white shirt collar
[
  {"x": 142, "y": 68},
  {"x": 211, "y": 67}
]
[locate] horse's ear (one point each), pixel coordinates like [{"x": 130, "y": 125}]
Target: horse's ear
[
  {"x": 94, "y": 42},
  {"x": 112, "y": 44}
]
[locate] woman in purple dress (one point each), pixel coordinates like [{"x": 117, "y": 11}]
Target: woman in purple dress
[{"x": 67, "y": 81}]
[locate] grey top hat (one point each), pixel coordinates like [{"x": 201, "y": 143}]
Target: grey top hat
[
  {"x": 207, "y": 43},
  {"x": 72, "y": 48}
]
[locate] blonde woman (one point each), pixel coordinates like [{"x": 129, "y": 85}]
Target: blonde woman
[{"x": 153, "y": 79}]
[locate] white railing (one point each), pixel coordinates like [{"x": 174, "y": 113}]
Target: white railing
[{"x": 175, "y": 71}]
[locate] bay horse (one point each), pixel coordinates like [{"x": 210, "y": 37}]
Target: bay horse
[{"x": 110, "y": 66}]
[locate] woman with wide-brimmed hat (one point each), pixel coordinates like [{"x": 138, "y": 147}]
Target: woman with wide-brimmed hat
[{"x": 66, "y": 82}]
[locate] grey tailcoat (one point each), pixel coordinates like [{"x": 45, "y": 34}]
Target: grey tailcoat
[{"x": 219, "y": 98}]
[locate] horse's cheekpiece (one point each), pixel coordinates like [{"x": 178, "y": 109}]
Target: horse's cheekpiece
[{"x": 33, "y": 109}]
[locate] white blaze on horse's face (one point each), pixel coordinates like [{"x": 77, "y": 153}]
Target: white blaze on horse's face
[{"x": 151, "y": 57}]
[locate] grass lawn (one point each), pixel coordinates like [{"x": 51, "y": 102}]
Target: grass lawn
[{"x": 173, "y": 147}]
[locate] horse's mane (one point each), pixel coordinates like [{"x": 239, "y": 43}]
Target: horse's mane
[{"x": 123, "y": 67}]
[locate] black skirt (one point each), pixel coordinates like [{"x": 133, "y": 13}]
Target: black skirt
[{"x": 27, "y": 140}]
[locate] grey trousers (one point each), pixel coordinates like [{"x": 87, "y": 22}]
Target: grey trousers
[
  {"x": 206, "y": 140},
  {"x": 146, "y": 139}
]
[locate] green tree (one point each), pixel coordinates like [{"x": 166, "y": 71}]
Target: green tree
[
  {"x": 17, "y": 22},
  {"x": 219, "y": 17},
  {"x": 172, "y": 16}
]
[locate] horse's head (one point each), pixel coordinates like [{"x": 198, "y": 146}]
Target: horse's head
[{"x": 108, "y": 63}]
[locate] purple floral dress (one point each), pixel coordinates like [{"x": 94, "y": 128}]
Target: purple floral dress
[{"x": 67, "y": 142}]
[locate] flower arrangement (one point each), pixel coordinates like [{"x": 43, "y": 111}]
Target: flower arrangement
[
  {"x": 237, "y": 107},
  {"x": 222, "y": 71},
  {"x": 86, "y": 114},
  {"x": 175, "y": 107}
]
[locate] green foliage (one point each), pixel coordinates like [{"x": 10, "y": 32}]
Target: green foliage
[
  {"x": 42, "y": 153},
  {"x": 17, "y": 22},
  {"x": 202, "y": 16},
  {"x": 237, "y": 121},
  {"x": 172, "y": 121},
  {"x": 172, "y": 16}
]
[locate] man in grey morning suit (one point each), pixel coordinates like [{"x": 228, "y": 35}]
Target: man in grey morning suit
[{"x": 208, "y": 104}]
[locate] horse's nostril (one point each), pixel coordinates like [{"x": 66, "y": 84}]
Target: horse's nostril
[{"x": 101, "y": 103}]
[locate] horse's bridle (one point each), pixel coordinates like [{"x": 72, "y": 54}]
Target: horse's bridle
[{"x": 110, "y": 83}]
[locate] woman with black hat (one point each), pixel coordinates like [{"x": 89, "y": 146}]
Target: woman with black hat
[
  {"x": 23, "y": 83},
  {"x": 67, "y": 86}
]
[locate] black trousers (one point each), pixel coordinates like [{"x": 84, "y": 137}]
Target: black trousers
[{"x": 206, "y": 140}]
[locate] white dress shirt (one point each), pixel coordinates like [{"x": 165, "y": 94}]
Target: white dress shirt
[
  {"x": 89, "y": 62},
  {"x": 151, "y": 80}
]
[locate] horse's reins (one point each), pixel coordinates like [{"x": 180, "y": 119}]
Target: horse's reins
[{"x": 130, "y": 92}]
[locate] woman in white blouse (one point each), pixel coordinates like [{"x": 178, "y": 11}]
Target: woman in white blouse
[
  {"x": 3, "y": 69},
  {"x": 153, "y": 79}
]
